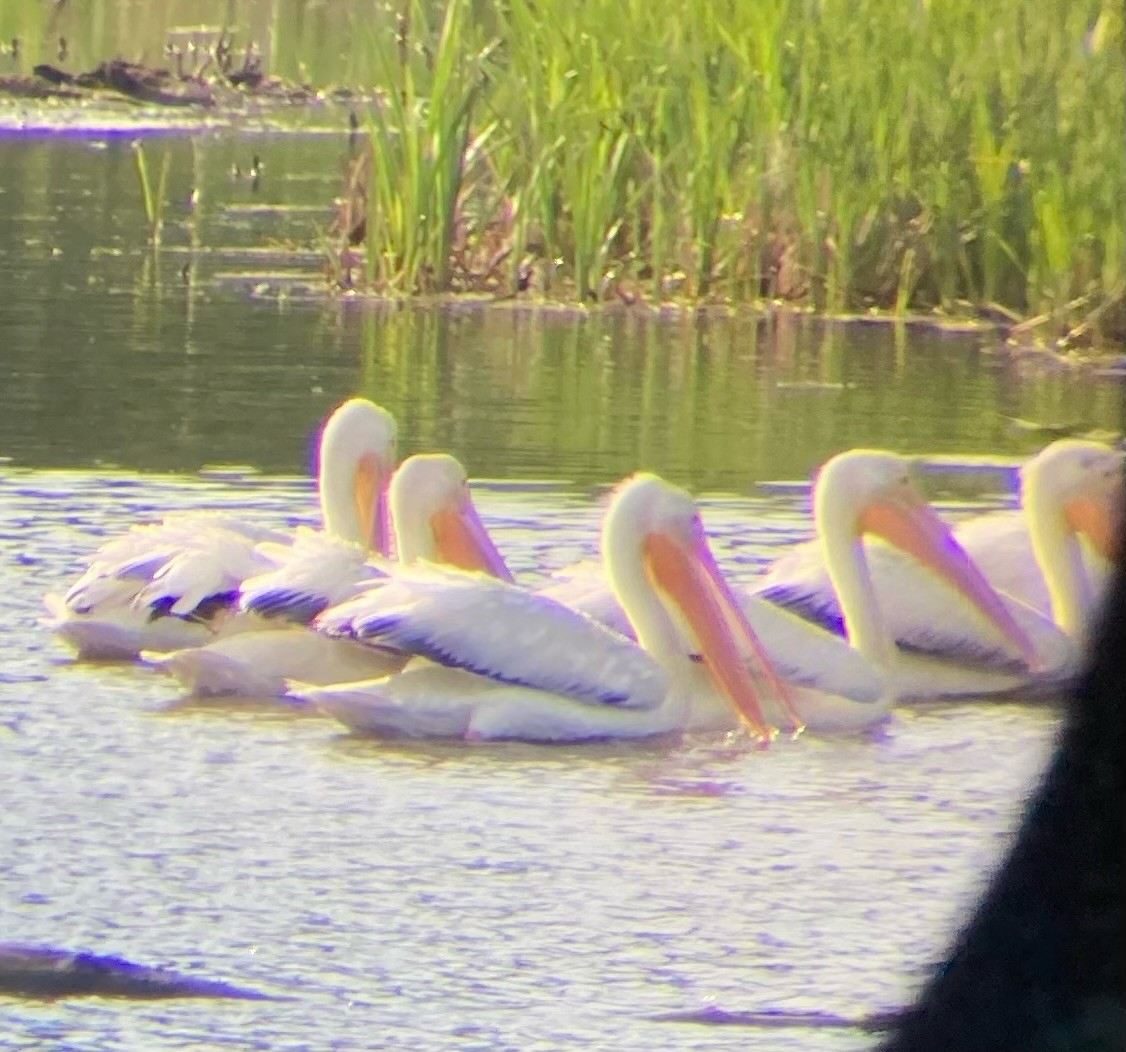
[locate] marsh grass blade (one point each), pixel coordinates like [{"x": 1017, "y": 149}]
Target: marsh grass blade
[
  {"x": 847, "y": 155},
  {"x": 152, "y": 197}
]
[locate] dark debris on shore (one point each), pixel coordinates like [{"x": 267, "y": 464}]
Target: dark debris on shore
[{"x": 154, "y": 85}]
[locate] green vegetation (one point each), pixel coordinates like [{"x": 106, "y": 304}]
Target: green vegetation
[
  {"x": 152, "y": 196},
  {"x": 420, "y": 141},
  {"x": 844, "y": 154},
  {"x": 840, "y": 154}
]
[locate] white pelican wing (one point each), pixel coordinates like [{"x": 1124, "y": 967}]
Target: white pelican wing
[
  {"x": 137, "y": 556},
  {"x": 590, "y": 594},
  {"x": 800, "y": 653},
  {"x": 502, "y": 632},
  {"x": 314, "y": 573},
  {"x": 211, "y": 567},
  {"x": 805, "y": 656},
  {"x": 798, "y": 581},
  {"x": 131, "y": 559},
  {"x": 922, "y": 612}
]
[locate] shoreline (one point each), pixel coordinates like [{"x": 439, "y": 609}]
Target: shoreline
[{"x": 482, "y": 269}]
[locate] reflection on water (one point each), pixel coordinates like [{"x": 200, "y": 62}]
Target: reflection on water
[
  {"x": 112, "y": 356},
  {"x": 432, "y": 896}
]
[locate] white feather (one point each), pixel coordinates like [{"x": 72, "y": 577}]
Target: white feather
[
  {"x": 924, "y": 614},
  {"x": 1001, "y": 546},
  {"x": 258, "y": 664},
  {"x": 503, "y": 633},
  {"x": 118, "y": 606},
  {"x": 822, "y": 661},
  {"x": 137, "y": 585},
  {"x": 119, "y": 631},
  {"x": 589, "y": 593},
  {"x": 315, "y": 572},
  {"x": 167, "y": 562},
  {"x": 212, "y": 565}
]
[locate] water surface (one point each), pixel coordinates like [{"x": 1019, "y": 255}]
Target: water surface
[
  {"x": 114, "y": 356},
  {"x": 443, "y": 896},
  {"x": 440, "y": 895}
]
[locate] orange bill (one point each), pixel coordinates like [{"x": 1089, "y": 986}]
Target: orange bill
[
  {"x": 1099, "y": 520},
  {"x": 906, "y": 521},
  {"x": 461, "y": 540},
  {"x": 692, "y": 580},
  {"x": 372, "y": 479}
]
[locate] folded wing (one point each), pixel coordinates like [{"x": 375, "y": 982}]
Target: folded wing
[
  {"x": 923, "y": 612},
  {"x": 502, "y": 632},
  {"x": 314, "y": 573},
  {"x": 125, "y": 566}
]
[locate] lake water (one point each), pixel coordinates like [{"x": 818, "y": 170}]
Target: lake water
[{"x": 424, "y": 896}]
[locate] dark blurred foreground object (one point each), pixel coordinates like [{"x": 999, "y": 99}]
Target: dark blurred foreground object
[
  {"x": 1040, "y": 965},
  {"x": 39, "y": 971}
]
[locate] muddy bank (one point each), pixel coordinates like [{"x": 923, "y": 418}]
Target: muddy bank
[
  {"x": 494, "y": 255},
  {"x": 235, "y": 87}
]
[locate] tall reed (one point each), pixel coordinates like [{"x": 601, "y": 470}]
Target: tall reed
[
  {"x": 420, "y": 144},
  {"x": 152, "y": 195},
  {"x": 844, "y": 153}
]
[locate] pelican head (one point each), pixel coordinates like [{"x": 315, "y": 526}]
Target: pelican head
[
  {"x": 1082, "y": 483},
  {"x": 357, "y": 456},
  {"x": 863, "y": 492},
  {"x": 665, "y": 576},
  {"x": 434, "y": 517}
]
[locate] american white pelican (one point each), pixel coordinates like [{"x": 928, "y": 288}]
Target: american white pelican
[
  {"x": 1034, "y": 556},
  {"x": 434, "y": 519},
  {"x": 498, "y": 661},
  {"x": 1055, "y": 554},
  {"x": 860, "y": 493},
  {"x": 869, "y": 492},
  {"x": 172, "y": 584}
]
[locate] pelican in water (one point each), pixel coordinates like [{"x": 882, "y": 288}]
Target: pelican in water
[
  {"x": 848, "y": 682},
  {"x": 433, "y": 518},
  {"x": 497, "y": 661},
  {"x": 1053, "y": 556},
  {"x": 173, "y": 584}
]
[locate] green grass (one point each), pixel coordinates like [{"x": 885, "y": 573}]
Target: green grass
[
  {"x": 845, "y": 154},
  {"x": 420, "y": 143},
  {"x": 152, "y": 194}
]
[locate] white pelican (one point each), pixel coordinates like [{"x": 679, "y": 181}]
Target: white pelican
[
  {"x": 172, "y": 584},
  {"x": 498, "y": 661},
  {"x": 869, "y": 492},
  {"x": 434, "y": 519},
  {"x": 1055, "y": 554},
  {"x": 1034, "y": 556},
  {"x": 860, "y": 493}
]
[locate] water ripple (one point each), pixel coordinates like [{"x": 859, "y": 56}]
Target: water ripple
[{"x": 501, "y": 897}]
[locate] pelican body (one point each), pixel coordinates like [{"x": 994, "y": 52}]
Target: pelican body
[
  {"x": 849, "y": 681},
  {"x": 496, "y": 661},
  {"x": 174, "y": 584},
  {"x": 869, "y": 493},
  {"x": 433, "y": 518},
  {"x": 1048, "y": 563}
]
